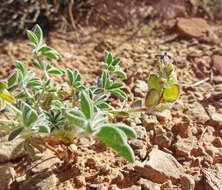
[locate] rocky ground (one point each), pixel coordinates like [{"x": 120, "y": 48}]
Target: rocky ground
[{"x": 176, "y": 149}]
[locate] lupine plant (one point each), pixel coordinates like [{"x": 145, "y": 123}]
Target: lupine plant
[
  {"x": 38, "y": 106},
  {"x": 163, "y": 86},
  {"x": 38, "y": 112}
]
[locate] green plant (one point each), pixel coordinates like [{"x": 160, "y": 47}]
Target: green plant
[
  {"x": 38, "y": 107},
  {"x": 164, "y": 89}
]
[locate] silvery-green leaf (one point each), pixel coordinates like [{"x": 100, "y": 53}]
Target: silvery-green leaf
[
  {"x": 86, "y": 105},
  {"x": 15, "y": 133}
]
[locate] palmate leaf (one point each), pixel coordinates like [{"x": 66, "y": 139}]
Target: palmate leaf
[
  {"x": 117, "y": 85},
  {"x": 121, "y": 74},
  {"x": 53, "y": 70},
  {"x": 32, "y": 36},
  {"x": 171, "y": 93},
  {"x": 86, "y": 105},
  {"x": 103, "y": 106},
  {"x": 119, "y": 93},
  {"x": 152, "y": 98},
  {"x": 116, "y": 139},
  {"x": 111, "y": 134},
  {"x": 38, "y": 32},
  {"x": 21, "y": 67},
  {"x": 12, "y": 79},
  {"x": 70, "y": 76},
  {"x": 6, "y": 96},
  {"x": 116, "y": 61},
  {"x": 52, "y": 54},
  {"x": 29, "y": 115},
  {"x": 15, "y": 133},
  {"x": 154, "y": 82},
  {"x": 105, "y": 79},
  {"x": 99, "y": 118},
  {"x": 3, "y": 85},
  {"x": 76, "y": 120},
  {"x": 125, "y": 151},
  {"x": 130, "y": 133}
]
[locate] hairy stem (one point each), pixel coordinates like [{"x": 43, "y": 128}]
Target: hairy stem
[
  {"x": 13, "y": 108},
  {"x": 8, "y": 122}
]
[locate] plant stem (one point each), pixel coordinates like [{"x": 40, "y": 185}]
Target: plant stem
[
  {"x": 8, "y": 122},
  {"x": 142, "y": 109},
  {"x": 73, "y": 97},
  {"x": 13, "y": 108},
  {"x": 29, "y": 95}
]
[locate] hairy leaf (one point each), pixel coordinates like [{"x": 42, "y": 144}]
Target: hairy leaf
[
  {"x": 15, "y": 133},
  {"x": 119, "y": 93},
  {"x": 171, "y": 93},
  {"x": 154, "y": 82},
  {"x": 86, "y": 105},
  {"x": 32, "y": 37},
  {"x": 152, "y": 98}
]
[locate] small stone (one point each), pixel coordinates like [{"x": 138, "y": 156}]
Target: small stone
[
  {"x": 160, "y": 167},
  {"x": 149, "y": 122},
  {"x": 187, "y": 182},
  {"x": 86, "y": 141},
  {"x": 140, "y": 88},
  {"x": 181, "y": 126},
  {"x": 164, "y": 140},
  {"x": 184, "y": 147},
  {"x": 217, "y": 142},
  {"x": 7, "y": 176},
  {"x": 164, "y": 116},
  {"x": 213, "y": 177},
  {"x": 91, "y": 163},
  {"x": 217, "y": 63},
  {"x": 196, "y": 112},
  {"x": 140, "y": 131},
  {"x": 148, "y": 185},
  {"x": 41, "y": 181},
  {"x": 10, "y": 150},
  {"x": 136, "y": 143},
  {"x": 192, "y": 27}
]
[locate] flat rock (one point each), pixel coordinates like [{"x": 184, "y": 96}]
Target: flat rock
[
  {"x": 164, "y": 140},
  {"x": 181, "y": 126},
  {"x": 45, "y": 161},
  {"x": 10, "y": 150},
  {"x": 141, "y": 88},
  {"x": 192, "y": 27},
  {"x": 217, "y": 63},
  {"x": 184, "y": 147},
  {"x": 164, "y": 116},
  {"x": 160, "y": 167},
  {"x": 197, "y": 113},
  {"x": 42, "y": 181},
  {"x": 149, "y": 122},
  {"x": 213, "y": 177}
]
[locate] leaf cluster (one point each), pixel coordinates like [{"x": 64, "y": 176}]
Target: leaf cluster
[
  {"x": 163, "y": 87},
  {"x": 38, "y": 106}
]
